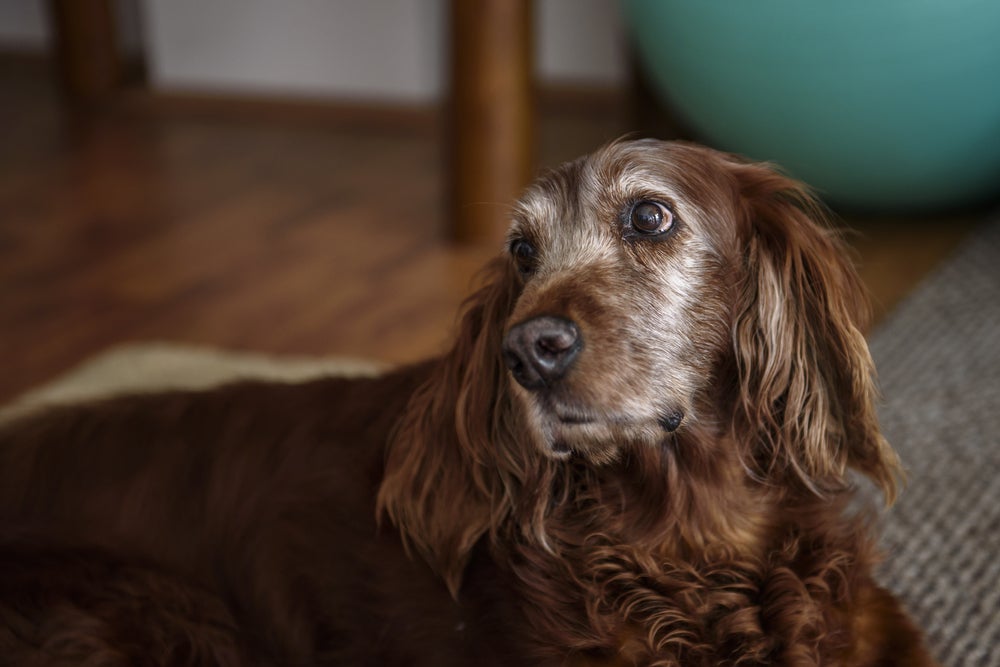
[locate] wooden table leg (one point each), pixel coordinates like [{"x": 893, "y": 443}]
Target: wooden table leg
[
  {"x": 86, "y": 46},
  {"x": 491, "y": 119}
]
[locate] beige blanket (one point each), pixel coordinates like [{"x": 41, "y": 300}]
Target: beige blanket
[{"x": 144, "y": 367}]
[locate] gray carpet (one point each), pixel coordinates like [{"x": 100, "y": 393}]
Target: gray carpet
[{"x": 938, "y": 357}]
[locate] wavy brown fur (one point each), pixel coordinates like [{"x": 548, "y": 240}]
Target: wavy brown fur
[{"x": 576, "y": 523}]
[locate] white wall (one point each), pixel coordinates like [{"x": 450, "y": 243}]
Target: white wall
[
  {"x": 388, "y": 48},
  {"x": 580, "y": 41},
  {"x": 23, "y": 25},
  {"x": 375, "y": 49}
]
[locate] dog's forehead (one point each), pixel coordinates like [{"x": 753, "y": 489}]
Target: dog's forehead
[{"x": 589, "y": 195}]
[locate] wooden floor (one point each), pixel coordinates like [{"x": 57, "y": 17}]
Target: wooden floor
[{"x": 279, "y": 228}]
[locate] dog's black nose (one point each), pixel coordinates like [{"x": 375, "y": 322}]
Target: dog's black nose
[{"x": 539, "y": 351}]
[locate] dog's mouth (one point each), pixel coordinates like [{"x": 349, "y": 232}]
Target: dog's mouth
[
  {"x": 568, "y": 431},
  {"x": 573, "y": 418},
  {"x": 596, "y": 441},
  {"x": 560, "y": 450},
  {"x": 669, "y": 420},
  {"x": 561, "y": 443}
]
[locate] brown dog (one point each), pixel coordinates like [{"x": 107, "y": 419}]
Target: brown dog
[{"x": 636, "y": 452}]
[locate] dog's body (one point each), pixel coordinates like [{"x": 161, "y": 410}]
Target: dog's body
[
  {"x": 635, "y": 453},
  {"x": 237, "y": 525}
]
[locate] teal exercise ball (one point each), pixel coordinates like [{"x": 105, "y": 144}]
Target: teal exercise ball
[{"x": 881, "y": 105}]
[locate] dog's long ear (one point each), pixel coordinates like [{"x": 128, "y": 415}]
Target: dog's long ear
[
  {"x": 441, "y": 486},
  {"x": 806, "y": 378}
]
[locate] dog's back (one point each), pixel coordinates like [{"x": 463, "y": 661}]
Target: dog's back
[{"x": 232, "y": 526}]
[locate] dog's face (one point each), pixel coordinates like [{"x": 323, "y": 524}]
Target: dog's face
[{"x": 626, "y": 262}]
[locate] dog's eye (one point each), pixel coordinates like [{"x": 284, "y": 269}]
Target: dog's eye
[
  {"x": 524, "y": 255},
  {"x": 650, "y": 217}
]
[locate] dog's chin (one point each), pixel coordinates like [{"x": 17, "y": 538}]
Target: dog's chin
[{"x": 596, "y": 437}]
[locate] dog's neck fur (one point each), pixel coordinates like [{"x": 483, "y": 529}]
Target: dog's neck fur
[
  {"x": 674, "y": 501},
  {"x": 645, "y": 556}
]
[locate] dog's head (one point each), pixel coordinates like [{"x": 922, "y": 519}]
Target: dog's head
[{"x": 664, "y": 285}]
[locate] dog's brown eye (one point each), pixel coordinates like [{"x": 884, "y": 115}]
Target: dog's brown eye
[
  {"x": 650, "y": 217},
  {"x": 524, "y": 256}
]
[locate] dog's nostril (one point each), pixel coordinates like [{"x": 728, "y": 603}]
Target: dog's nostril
[
  {"x": 513, "y": 361},
  {"x": 539, "y": 351},
  {"x": 557, "y": 342}
]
